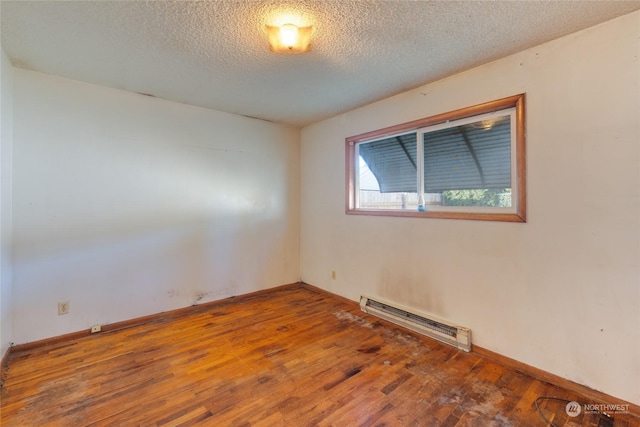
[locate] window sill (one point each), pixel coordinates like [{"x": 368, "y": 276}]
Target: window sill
[{"x": 501, "y": 217}]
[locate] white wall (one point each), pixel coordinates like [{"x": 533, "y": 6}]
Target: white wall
[
  {"x": 127, "y": 205},
  {"x": 6, "y": 143},
  {"x": 560, "y": 292}
]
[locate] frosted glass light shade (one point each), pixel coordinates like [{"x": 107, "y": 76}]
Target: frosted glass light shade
[{"x": 289, "y": 38}]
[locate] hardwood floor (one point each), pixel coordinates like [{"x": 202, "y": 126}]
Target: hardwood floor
[{"x": 292, "y": 357}]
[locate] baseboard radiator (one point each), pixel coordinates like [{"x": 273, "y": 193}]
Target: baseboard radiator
[{"x": 454, "y": 335}]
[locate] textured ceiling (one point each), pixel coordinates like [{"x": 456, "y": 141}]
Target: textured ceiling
[{"x": 215, "y": 54}]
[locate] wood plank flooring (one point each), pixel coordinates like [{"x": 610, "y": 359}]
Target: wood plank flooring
[{"x": 292, "y": 357}]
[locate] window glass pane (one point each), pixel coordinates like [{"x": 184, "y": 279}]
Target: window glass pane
[
  {"x": 469, "y": 165},
  {"x": 388, "y": 173}
]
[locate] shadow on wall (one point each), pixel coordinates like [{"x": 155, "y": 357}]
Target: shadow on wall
[{"x": 412, "y": 291}]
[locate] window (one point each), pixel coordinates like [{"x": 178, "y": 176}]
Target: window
[{"x": 465, "y": 164}]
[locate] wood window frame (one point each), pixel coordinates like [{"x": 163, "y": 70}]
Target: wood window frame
[{"x": 516, "y": 101}]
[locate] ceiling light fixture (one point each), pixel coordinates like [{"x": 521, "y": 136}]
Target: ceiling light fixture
[{"x": 289, "y": 38}]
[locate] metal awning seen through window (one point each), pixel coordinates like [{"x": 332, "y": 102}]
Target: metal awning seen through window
[
  {"x": 393, "y": 162},
  {"x": 470, "y": 156}
]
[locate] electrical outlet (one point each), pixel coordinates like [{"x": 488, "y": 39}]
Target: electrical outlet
[
  {"x": 333, "y": 275},
  {"x": 63, "y": 307},
  {"x": 96, "y": 328}
]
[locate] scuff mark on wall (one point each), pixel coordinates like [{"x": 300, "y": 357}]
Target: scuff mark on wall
[
  {"x": 194, "y": 296},
  {"x": 200, "y": 295}
]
